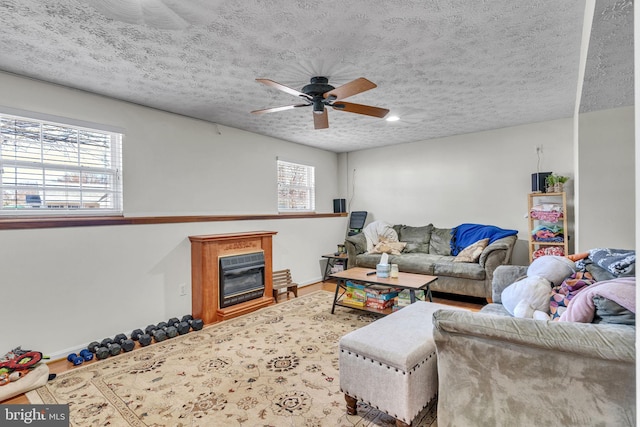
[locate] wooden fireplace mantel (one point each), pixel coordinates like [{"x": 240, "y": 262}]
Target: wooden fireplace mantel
[{"x": 205, "y": 253}]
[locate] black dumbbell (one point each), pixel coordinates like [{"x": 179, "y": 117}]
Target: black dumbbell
[
  {"x": 113, "y": 347},
  {"x": 170, "y": 330},
  {"x": 77, "y": 359},
  {"x": 142, "y": 337},
  {"x": 126, "y": 343},
  {"x": 196, "y": 324},
  {"x": 99, "y": 350},
  {"x": 158, "y": 334},
  {"x": 181, "y": 327}
]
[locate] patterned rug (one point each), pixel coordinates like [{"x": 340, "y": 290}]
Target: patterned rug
[{"x": 275, "y": 367}]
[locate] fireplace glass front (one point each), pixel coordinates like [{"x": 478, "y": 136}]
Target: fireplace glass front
[{"x": 241, "y": 278}]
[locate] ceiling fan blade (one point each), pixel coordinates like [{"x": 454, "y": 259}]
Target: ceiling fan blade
[
  {"x": 354, "y": 87},
  {"x": 275, "y": 109},
  {"x": 321, "y": 121},
  {"x": 283, "y": 88},
  {"x": 367, "y": 110}
]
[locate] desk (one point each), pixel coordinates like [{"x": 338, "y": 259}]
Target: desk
[
  {"x": 410, "y": 281},
  {"x": 331, "y": 261}
]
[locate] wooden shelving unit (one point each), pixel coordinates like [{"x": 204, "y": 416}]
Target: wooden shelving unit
[{"x": 541, "y": 199}]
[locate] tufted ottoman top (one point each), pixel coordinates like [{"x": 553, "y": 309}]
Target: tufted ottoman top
[{"x": 402, "y": 339}]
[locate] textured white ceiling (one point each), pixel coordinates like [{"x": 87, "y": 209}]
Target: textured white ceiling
[{"x": 445, "y": 67}]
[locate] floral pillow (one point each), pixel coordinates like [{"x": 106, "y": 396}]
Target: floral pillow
[
  {"x": 393, "y": 248},
  {"x": 472, "y": 252}
]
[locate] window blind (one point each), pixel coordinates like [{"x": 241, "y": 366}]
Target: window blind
[
  {"x": 53, "y": 168},
  {"x": 296, "y": 187}
]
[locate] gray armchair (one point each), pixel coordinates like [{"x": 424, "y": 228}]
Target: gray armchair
[{"x": 498, "y": 370}]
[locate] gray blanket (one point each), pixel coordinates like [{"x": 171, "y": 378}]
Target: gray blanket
[{"x": 619, "y": 262}]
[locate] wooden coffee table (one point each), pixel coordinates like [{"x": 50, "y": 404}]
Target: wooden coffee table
[{"x": 410, "y": 281}]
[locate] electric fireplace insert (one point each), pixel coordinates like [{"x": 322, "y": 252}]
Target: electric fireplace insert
[{"x": 241, "y": 278}]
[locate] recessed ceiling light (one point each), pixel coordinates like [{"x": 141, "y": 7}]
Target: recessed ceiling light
[{"x": 393, "y": 118}]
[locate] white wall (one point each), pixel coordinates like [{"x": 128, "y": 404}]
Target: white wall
[
  {"x": 74, "y": 285},
  {"x": 478, "y": 178},
  {"x": 606, "y": 156}
]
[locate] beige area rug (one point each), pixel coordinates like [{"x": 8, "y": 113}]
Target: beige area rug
[{"x": 275, "y": 367}]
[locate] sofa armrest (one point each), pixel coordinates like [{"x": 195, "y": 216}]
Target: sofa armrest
[
  {"x": 503, "y": 276},
  {"x": 488, "y": 363},
  {"x": 498, "y": 252},
  {"x": 355, "y": 245}
]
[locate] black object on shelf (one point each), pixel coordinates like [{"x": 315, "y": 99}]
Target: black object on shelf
[{"x": 539, "y": 182}]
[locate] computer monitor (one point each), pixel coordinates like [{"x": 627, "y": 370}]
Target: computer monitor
[{"x": 356, "y": 222}]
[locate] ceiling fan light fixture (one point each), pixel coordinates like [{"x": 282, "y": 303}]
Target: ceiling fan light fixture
[
  {"x": 318, "y": 106},
  {"x": 392, "y": 118},
  {"x": 319, "y": 94}
]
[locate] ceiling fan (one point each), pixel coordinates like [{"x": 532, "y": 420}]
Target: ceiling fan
[{"x": 320, "y": 94}]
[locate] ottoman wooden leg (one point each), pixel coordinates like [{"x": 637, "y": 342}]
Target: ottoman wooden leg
[
  {"x": 402, "y": 424},
  {"x": 351, "y": 405}
]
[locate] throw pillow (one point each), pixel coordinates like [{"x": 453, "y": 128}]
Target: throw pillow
[
  {"x": 393, "y": 248},
  {"x": 440, "y": 243},
  {"x": 534, "y": 291},
  {"x": 379, "y": 231},
  {"x": 359, "y": 242},
  {"x": 417, "y": 238},
  {"x": 472, "y": 252},
  {"x": 553, "y": 268}
]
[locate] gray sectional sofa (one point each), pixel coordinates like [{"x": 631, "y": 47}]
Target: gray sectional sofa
[
  {"x": 428, "y": 251},
  {"x": 499, "y": 370}
]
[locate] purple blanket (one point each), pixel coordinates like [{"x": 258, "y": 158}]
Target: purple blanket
[
  {"x": 467, "y": 234},
  {"x": 582, "y": 309}
]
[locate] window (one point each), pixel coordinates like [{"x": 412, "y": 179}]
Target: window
[
  {"x": 296, "y": 187},
  {"x": 54, "y": 168}
]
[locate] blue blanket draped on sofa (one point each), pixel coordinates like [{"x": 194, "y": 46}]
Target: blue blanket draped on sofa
[{"x": 467, "y": 234}]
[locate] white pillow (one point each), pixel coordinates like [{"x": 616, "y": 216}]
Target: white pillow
[
  {"x": 552, "y": 267},
  {"x": 534, "y": 291}
]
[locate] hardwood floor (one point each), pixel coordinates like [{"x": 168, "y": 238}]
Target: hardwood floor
[{"x": 474, "y": 304}]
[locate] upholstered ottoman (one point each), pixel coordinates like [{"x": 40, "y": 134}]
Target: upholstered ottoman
[{"x": 390, "y": 364}]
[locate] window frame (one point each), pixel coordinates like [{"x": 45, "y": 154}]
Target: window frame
[
  {"x": 308, "y": 186},
  {"x": 68, "y": 208}
]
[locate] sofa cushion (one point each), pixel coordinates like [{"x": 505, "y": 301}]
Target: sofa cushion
[
  {"x": 495, "y": 309},
  {"x": 472, "y": 252},
  {"x": 440, "y": 243},
  {"x": 368, "y": 260},
  {"x": 419, "y": 263},
  {"x": 410, "y": 263},
  {"x": 463, "y": 270},
  {"x": 417, "y": 238}
]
